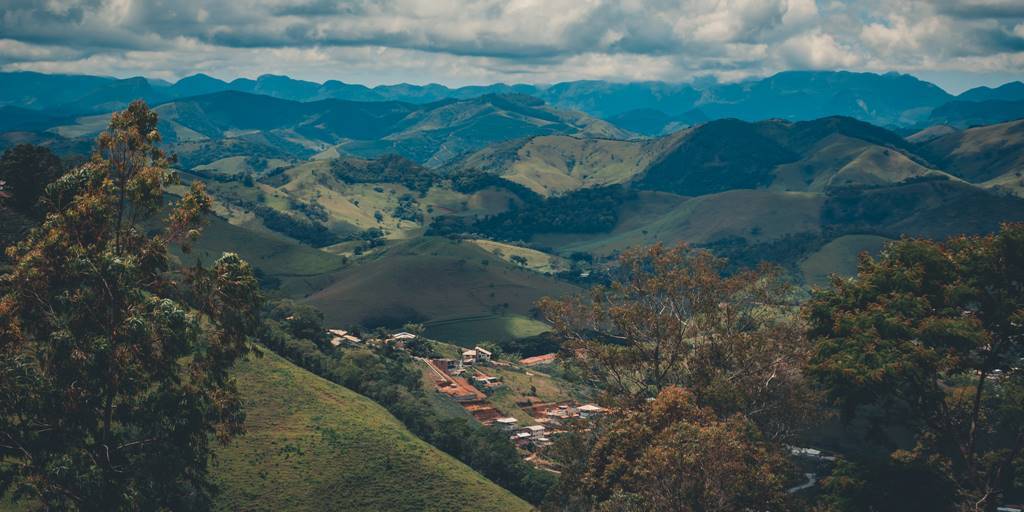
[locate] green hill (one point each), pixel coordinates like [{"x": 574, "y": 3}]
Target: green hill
[
  {"x": 980, "y": 154},
  {"x": 432, "y": 278},
  {"x": 314, "y": 445},
  {"x": 556, "y": 164}
]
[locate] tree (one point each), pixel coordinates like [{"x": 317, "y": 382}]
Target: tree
[
  {"x": 27, "y": 169},
  {"x": 724, "y": 356},
  {"x": 673, "y": 455},
  {"x": 669, "y": 318},
  {"x": 114, "y": 374},
  {"x": 928, "y": 339}
]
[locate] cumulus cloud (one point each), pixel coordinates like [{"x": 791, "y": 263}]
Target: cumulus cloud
[{"x": 472, "y": 41}]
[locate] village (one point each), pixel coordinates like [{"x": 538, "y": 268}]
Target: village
[{"x": 474, "y": 379}]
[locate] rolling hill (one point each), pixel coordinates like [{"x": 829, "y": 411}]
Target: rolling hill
[
  {"x": 432, "y": 278},
  {"x": 230, "y": 123},
  {"x": 980, "y": 154},
  {"x": 314, "y": 445}
]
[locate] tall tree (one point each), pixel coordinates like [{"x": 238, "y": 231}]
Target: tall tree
[
  {"x": 722, "y": 352},
  {"x": 928, "y": 340},
  {"x": 114, "y": 375}
]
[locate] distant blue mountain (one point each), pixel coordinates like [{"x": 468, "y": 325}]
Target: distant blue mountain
[
  {"x": 889, "y": 99},
  {"x": 1012, "y": 91}
]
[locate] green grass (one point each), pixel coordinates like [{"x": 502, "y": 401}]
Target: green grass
[
  {"x": 468, "y": 331},
  {"x": 429, "y": 279},
  {"x": 314, "y": 445},
  {"x": 839, "y": 256},
  {"x": 301, "y": 269},
  {"x": 535, "y": 260},
  {"x": 757, "y": 215}
]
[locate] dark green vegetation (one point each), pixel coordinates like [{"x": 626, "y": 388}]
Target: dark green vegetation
[
  {"x": 114, "y": 371},
  {"x": 921, "y": 356},
  {"x": 716, "y": 378}
]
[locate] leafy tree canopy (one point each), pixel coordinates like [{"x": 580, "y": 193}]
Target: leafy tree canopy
[
  {"x": 928, "y": 339},
  {"x": 114, "y": 373}
]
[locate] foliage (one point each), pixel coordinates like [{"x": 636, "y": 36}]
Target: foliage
[
  {"x": 408, "y": 209},
  {"x": 115, "y": 378},
  {"x": 26, "y": 170},
  {"x": 673, "y": 455},
  {"x": 928, "y": 338},
  {"x": 307, "y": 231},
  {"x": 387, "y": 169},
  {"x": 726, "y": 351}
]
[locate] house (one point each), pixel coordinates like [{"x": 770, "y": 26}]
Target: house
[
  {"x": 589, "y": 410},
  {"x": 482, "y": 356},
  {"x": 338, "y": 336},
  {"x": 351, "y": 339},
  {"x": 507, "y": 423},
  {"x": 537, "y": 360},
  {"x": 536, "y": 430},
  {"x": 449, "y": 366},
  {"x": 469, "y": 357}
]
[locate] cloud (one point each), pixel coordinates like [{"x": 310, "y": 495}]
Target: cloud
[{"x": 465, "y": 41}]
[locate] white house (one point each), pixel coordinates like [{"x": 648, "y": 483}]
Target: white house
[
  {"x": 469, "y": 357},
  {"x": 508, "y": 423},
  {"x": 482, "y": 355}
]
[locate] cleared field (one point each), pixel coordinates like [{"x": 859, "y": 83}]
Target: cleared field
[
  {"x": 840, "y": 256},
  {"x": 535, "y": 260},
  {"x": 314, "y": 445},
  {"x": 469, "y": 331}
]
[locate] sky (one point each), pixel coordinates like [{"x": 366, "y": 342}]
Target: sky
[{"x": 957, "y": 44}]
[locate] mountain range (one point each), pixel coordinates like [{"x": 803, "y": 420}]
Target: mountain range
[{"x": 650, "y": 108}]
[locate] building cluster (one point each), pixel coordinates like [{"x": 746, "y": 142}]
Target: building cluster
[{"x": 467, "y": 380}]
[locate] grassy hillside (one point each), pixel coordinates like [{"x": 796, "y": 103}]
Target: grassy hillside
[
  {"x": 753, "y": 214},
  {"x": 313, "y": 445},
  {"x": 431, "y": 278},
  {"x": 980, "y": 154},
  {"x": 300, "y": 269},
  {"x": 557, "y": 164},
  {"x": 842, "y": 161},
  {"x": 840, "y": 256}
]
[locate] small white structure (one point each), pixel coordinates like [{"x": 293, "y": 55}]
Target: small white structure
[
  {"x": 403, "y": 336},
  {"x": 469, "y": 357},
  {"x": 536, "y": 429},
  {"x": 588, "y": 410},
  {"x": 508, "y": 423},
  {"x": 482, "y": 355}
]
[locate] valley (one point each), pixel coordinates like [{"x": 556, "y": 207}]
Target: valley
[{"x": 454, "y": 213}]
